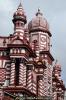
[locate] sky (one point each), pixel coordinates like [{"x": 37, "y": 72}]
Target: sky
[{"x": 55, "y": 13}]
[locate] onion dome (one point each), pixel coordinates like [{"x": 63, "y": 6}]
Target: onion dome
[
  {"x": 39, "y": 23},
  {"x": 20, "y": 14}
]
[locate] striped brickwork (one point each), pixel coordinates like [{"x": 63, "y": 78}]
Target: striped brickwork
[
  {"x": 34, "y": 87},
  {"x": 54, "y": 96},
  {"x": 12, "y": 75},
  {"x": 7, "y": 72},
  {"x": 1, "y": 94},
  {"x": 45, "y": 82},
  {"x": 40, "y": 86},
  {"x": 29, "y": 79},
  {"x": 49, "y": 80},
  {"x": 34, "y": 82},
  {"x": 22, "y": 74},
  {"x": 2, "y": 75}
]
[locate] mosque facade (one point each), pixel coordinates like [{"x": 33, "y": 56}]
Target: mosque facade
[{"x": 26, "y": 63}]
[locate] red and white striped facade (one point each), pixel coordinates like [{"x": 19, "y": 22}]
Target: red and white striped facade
[
  {"x": 12, "y": 72},
  {"x": 26, "y": 61},
  {"x": 22, "y": 74}
]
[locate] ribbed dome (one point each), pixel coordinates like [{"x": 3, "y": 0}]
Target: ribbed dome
[
  {"x": 38, "y": 23},
  {"x": 20, "y": 14}
]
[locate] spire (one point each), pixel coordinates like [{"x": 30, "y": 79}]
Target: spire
[
  {"x": 20, "y": 5},
  {"x": 39, "y": 12},
  {"x": 19, "y": 18}
]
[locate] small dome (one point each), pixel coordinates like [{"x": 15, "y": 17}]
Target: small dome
[
  {"x": 19, "y": 11},
  {"x": 20, "y": 14},
  {"x": 38, "y": 23},
  {"x": 57, "y": 67}
]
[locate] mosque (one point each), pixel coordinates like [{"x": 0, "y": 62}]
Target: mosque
[{"x": 26, "y": 63}]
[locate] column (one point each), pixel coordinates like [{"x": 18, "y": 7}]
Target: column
[
  {"x": 29, "y": 78},
  {"x": 34, "y": 82},
  {"x": 40, "y": 86},
  {"x": 45, "y": 82},
  {"x": 12, "y": 75},
  {"x": 22, "y": 73},
  {"x": 49, "y": 80},
  {"x": 7, "y": 66}
]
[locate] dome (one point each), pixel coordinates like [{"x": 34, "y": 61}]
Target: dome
[
  {"x": 20, "y": 14},
  {"x": 38, "y": 23},
  {"x": 57, "y": 67}
]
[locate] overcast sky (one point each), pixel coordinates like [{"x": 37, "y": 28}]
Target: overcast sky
[{"x": 55, "y": 13}]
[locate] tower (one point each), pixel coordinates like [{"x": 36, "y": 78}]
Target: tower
[
  {"x": 19, "y": 20},
  {"x": 15, "y": 46},
  {"x": 40, "y": 41},
  {"x": 19, "y": 52}
]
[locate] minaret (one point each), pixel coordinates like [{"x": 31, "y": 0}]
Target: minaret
[
  {"x": 19, "y": 20},
  {"x": 40, "y": 42},
  {"x": 20, "y": 50}
]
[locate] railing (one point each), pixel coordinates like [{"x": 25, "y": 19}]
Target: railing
[
  {"x": 27, "y": 98},
  {"x": 30, "y": 98}
]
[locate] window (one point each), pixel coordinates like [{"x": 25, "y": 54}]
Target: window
[{"x": 17, "y": 71}]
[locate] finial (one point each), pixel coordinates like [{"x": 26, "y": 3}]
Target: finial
[
  {"x": 20, "y": 5},
  {"x": 39, "y": 12}
]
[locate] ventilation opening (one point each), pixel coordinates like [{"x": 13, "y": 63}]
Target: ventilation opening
[{"x": 17, "y": 71}]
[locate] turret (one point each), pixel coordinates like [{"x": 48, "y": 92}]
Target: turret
[{"x": 19, "y": 20}]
